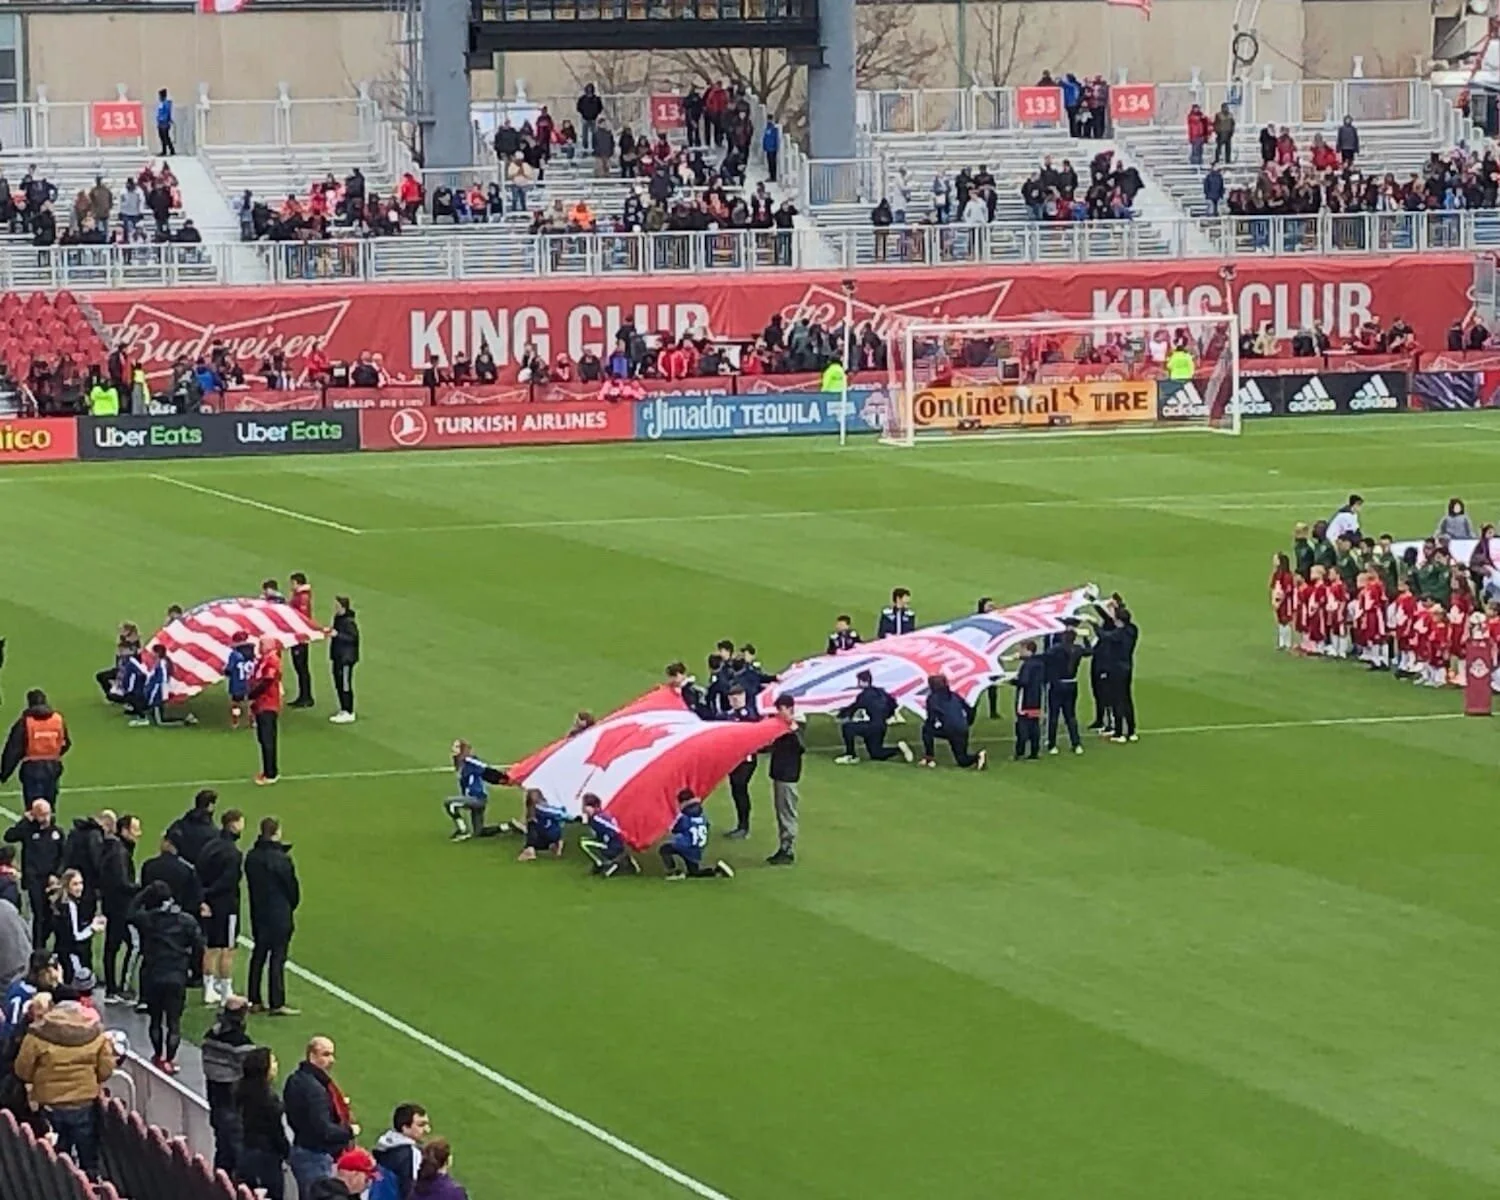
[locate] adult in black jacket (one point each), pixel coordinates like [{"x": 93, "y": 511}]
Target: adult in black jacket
[
  {"x": 320, "y": 1132},
  {"x": 220, "y": 870},
  {"x": 1121, "y": 638},
  {"x": 171, "y": 868},
  {"x": 263, "y": 1146},
  {"x": 744, "y": 771},
  {"x": 948, "y": 717},
  {"x": 1100, "y": 684},
  {"x": 117, "y": 890},
  {"x": 195, "y": 828},
  {"x": 867, "y": 719},
  {"x": 1063, "y": 658},
  {"x": 343, "y": 656},
  {"x": 271, "y": 878},
  {"x": 225, "y": 1047},
  {"x": 83, "y": 851},
  {"x": 171, "y": 948},
  {"x": 41, "y": 844}
]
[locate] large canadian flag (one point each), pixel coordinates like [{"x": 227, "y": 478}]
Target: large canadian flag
[{"x": 636, "y": 760}]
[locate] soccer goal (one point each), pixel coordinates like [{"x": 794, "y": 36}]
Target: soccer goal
[{"x": 990, "y": 379}]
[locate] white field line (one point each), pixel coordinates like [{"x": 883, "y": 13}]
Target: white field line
[
  {"x": 1242, "y": 502},
  {"x": 703, "y": 462},
  {"x": 259, "y": 504},
  {"x": 535, "y": 1099}
]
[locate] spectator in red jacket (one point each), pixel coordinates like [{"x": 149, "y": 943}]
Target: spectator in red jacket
[
  {"x": 715, "y": 106},
  {"x": 1198, "y": 129}
]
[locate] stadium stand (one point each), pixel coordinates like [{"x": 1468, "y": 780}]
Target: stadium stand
[
  {"x": 31, "y": 1168},
  {"x": 47, "y": 345}
]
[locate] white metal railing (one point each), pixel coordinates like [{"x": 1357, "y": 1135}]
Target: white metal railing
[
  {"x": 42, "y": 125},
  {"x": 1302, "y": 102},
  {"x": 489, "y": 252},
  {"x": 164, "y": 1102}
]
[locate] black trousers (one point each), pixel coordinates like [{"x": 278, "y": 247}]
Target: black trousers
[
  {"x": 992, "y": 694},
  {"x": 1122, "y": 697},
  {"x": 739, "y": 791},
  {"x": 872, "y": 733},
  {"x": 957, "y": 742},
  {"x": 269, "y": 957},
  {"x": 262, "y": 1169},
  {"x": 164, "y": 133},
  {"x": 1062, "y": 702},
  {"x": 165, "y": 999},
  {"x": 38, "y": 778},
  {"x": 265, "y": 734},
  {"x": 119, "y": 935},
  {"x": 1028, "y": 736},
  {"x": 224, "y": 1119},
  {"x": 771, "y": 158},
  {"x": 304, "y": 676},
  {"x": 41, "y": 912},
  {"x": 106, "y": 681},
  {"x": 343, "y": 684},
  {"x": 1099, "y": 685}
]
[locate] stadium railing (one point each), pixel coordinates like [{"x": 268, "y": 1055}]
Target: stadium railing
[
  {"x": 142, "y": 1160},
  {"x": 475, "y": 252},
  {"x": 31, "y": 1168}
]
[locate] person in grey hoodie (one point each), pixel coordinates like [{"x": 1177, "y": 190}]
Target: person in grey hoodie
[
  {"x": 1455, "y": 525},
  {"x": 399, "y": 1149},
  {"x": 15, "y": 945}
]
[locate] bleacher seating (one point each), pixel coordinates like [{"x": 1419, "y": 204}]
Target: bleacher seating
[
  {"x": 47, "y": 327},
  {"x": 31, "y": 1168},
  {"x": 272, "y": 173}
]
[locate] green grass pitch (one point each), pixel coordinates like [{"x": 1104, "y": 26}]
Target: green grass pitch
[{"x": 1254, "y": 955}]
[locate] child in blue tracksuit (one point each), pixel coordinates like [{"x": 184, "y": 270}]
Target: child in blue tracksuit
[
  {"x": 605, "y": 844},
  {"x": 682, "y": 853},
  {"x": 473, "y": 796},
  {"x": 146, "y": 691},
  {"x": 237, "y": 672},
  {"x": 544, "y": 826}
]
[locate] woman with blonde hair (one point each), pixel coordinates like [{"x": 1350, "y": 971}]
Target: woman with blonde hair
[{"x": 73, "y": 924}]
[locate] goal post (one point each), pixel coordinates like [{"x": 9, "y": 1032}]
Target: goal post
[{"x": 1000, "y": 379}]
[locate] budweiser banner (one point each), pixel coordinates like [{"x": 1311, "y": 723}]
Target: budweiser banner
[{"x": 404, "y": 324}]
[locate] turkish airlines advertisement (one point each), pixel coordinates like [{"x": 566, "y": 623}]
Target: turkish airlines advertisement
[
  {"x": 517, "y": 424},
  {"x": 403, "y": 324}
]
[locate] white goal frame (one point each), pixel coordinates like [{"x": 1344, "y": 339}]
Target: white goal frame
[{"x": 904, "y": 381}]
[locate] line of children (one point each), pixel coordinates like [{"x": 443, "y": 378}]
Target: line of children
[{"x": 1355, "y": 598}]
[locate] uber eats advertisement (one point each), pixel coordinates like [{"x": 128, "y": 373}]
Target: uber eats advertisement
[{"x": 209, "y": 435}]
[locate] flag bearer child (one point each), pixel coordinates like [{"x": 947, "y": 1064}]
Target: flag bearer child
[
  {"x": 473, "y": 795},
  {"x": 682, "y": 852},
  {"x": 237, "y": 672},
  {"x": 605, "y": 844},
  {"x": 544, "y": 826}
]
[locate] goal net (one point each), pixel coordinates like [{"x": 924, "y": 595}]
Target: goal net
[{"x": 989, "y": 379}]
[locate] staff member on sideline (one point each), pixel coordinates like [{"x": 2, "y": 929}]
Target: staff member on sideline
[
  {"x": 265, "y": 704},
  {"x": 220, "y": 869},
  {"x": 271, "y": 879},
  {"x": 301, "y": 602},
  {"x": 1122, "y": 640},
  {"x": 41, "y": 844},
  {"x": 37, "y": 742},
  {"x": 343, "y": 655}
]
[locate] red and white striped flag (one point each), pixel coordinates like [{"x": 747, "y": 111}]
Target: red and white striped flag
[
  {"x": 636, "y": 760},
  {"x": 199, "y": 641}
]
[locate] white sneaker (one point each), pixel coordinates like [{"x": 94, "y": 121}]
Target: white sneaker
[
  {"x": 905, "y": 751},
  {"x": 210, "y": 994},
  {"x": 1134, "y": 737},
  {"x": 1052, "y": 750},
  {"x": 845, "y": 759},
  {"x": 1121, "y": 738},
  {"x": 342, "y": 718},
  {"x": 1077, "y": 749}
]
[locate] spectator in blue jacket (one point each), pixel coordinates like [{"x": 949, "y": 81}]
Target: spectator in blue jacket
[
  {"x": 770, "y": 142},
  {"x": 164, "y": 123},
  {"x": 1213, "y": 189}
]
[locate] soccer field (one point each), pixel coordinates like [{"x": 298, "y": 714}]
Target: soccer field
[{"x": 1253, "y": 955}]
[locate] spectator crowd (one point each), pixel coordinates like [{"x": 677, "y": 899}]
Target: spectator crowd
[{"x": 140, "y": 214}]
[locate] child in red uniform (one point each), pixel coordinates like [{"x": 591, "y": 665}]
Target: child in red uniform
[
  {"x": 1302, "y": 607},
  {"x": 1317, "y": 613},
  {"x": 1433, "y": 638},
  {"x": 1283, "y": 600},
  {"x": 1370, "y": 621},
  {"x": 1338, "y": 616},
  {"x": 1404, "y": 619}
]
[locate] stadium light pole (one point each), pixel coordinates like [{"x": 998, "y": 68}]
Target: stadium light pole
[{"x": 848, "y": 286}]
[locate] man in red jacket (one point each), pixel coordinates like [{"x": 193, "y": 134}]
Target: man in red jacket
[{"x": 265, "y": 704}]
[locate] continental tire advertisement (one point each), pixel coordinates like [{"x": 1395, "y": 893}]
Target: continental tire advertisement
[
  {"x": 217, "y": 435},
  {"x": 1023, "y": 406}
]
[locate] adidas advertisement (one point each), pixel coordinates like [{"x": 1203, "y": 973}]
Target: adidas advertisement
[{"x": 1302, "y": 395}]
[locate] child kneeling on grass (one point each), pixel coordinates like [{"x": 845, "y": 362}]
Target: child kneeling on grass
[{"x": 682, "y": 853}]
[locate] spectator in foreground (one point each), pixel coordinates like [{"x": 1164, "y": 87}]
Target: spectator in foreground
[
  {"x": 399, "y": 1149},
  {"x": 264, "y": 1148},
  {"x": 322, "y": 1128},
  {"x": 171, "y": 949},
  {"x": 65, "y": 1058},
  {"x": 15, "y": 943},
  {"x": 225, "y": 1047},
  {"x": 433, "y": 1180}
]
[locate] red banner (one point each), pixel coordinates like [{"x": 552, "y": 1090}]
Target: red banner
[
  {"x": 405, "y": 323},
  {"x": 495, "y": 425},
  {"x": 666, "y": 113},
  {"x": 263, "y": 400},
  {"x": 1132, "y": 103},
  {"x": 38, "y": 439},
  {"x": 1039, "y": 105},
  {"x": 398, "y": 395},
  {"x": 117, "y": 120}
]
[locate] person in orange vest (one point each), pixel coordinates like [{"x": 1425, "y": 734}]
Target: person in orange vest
[
  {"x": 36, "y": 745},
  {"x": 265, "y": 704}
]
